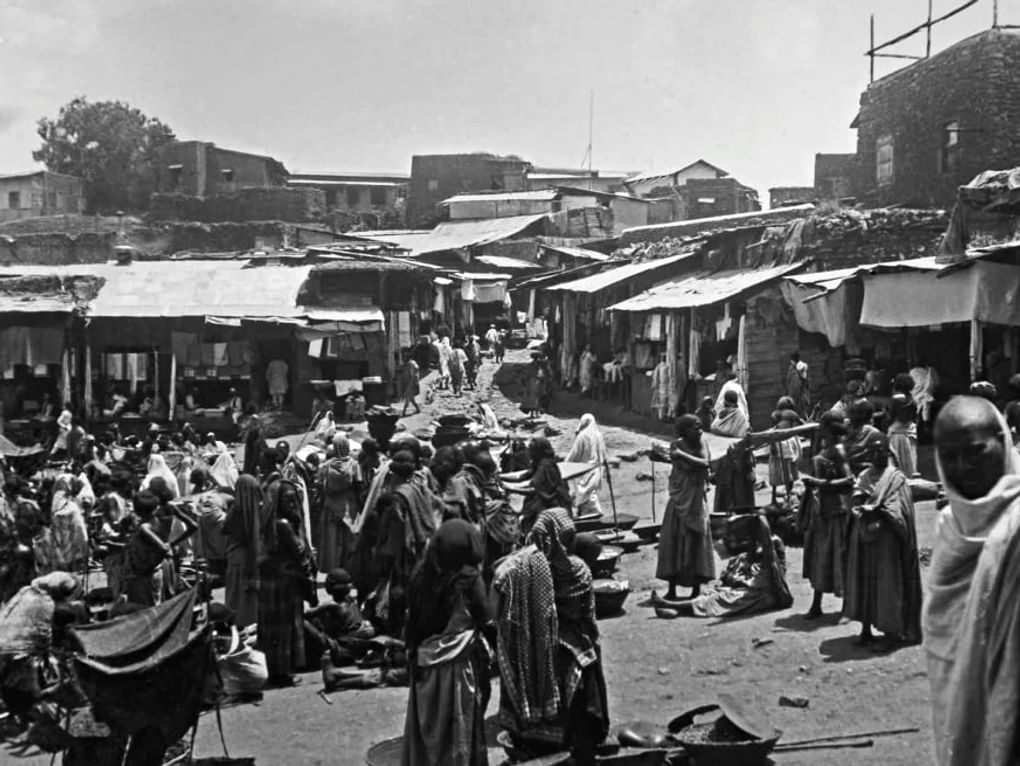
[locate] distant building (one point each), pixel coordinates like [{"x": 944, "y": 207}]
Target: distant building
[
  {"x": 40, "y": 192},
  {"x": 574, "y": 212},
  {"x": 596, "y": 180},
  {"x": 935, "y": 124},
  {"x": 697, "y": 190},
  {"x": 371, "y": 196},
  {"x": 834, "y": 177},
  {"x": 202, "y": 169},
  {"x": 781, "y": 196},
  {"x": 436, "y": 177}
]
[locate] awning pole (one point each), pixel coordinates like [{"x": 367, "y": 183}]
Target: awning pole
[{"x": 975, "y": 348}]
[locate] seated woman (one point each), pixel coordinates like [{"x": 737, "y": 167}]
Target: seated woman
[{"x": 753, "y": 581}]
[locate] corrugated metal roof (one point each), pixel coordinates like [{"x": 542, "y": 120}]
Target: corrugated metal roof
[
  {"x": 187, "y": 288},
  {"x": 702, "y": 289},
  {"x": 605, "y": 279},
  {"x": 456, "y": 235},
  {"x": 735, "y": 218},
  {"x": 330, "y": 182},
  {"x": 20, "y": 303},
  {"x": 650, "y": 175},
  {"x": 540, "y": 195},
  {"x": 503, "y": 262},
  {"x": 578, "y": 252}
]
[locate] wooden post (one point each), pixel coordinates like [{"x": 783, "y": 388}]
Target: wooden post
[
  {"x": 975, "y": 348},
  {"x": 927, "y": 48}
]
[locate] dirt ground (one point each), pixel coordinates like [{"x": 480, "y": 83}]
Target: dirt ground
[{"x": 655, "y": 669}]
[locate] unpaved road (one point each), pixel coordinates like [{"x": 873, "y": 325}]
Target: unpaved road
[{"x": 655, "y": 669}]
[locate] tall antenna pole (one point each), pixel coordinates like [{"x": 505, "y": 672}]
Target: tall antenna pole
[
  {"x": 995, "y": 14},
  {"x": 591, "y": 127},
  {"x": 927, "y": 49},
  {"x": 871, "y": 50}
]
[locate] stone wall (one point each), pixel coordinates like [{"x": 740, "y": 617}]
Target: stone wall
[
  {"x": 436, "y": 177},
  {"x": 255, "y": 204},
  {"x": 57, "y": 249},
  {"x": 975, "y": 85}
]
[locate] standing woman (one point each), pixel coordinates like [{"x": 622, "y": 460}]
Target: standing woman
[
  {"x": 685, "y": 540},
  {"x": 242, "y": 530},
  {"x": 457, "y": 359},
  {"x": 445, "y": 352},
  {"x": 859, "y": 434},
  {"x": 578, "y": 658},
  {"x": 448, "y": 656},
  {"x": 341, "y": 490},
  {"x": 544, "y": 485},
  {"x": 283, "y": 567},
  {"x": 411, "y": 385},
  {"x": 824, "y": 513},
  {"x": 883, "y": 577},
  {"x": 588, "y": 447}
]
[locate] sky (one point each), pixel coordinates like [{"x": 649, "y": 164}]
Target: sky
[{"x": 756, "y": 87}]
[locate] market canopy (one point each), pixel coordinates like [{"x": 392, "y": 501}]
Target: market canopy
[
  {"x": 703, "y": 288},
  {"x": 611, "y": 277},
  {"x": 458, "y": 235}
]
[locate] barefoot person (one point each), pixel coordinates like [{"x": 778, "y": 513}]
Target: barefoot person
[
  {"x": 882, "y": 581},
  {"x": 970, "y": 618},
  {"x": 685, "y": 541},
  {"x": 824, "y": 513}
]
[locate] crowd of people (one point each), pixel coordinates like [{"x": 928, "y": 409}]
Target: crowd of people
[{"x": 434, "y": 581}]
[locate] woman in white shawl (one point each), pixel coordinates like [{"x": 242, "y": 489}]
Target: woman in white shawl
[
  {"x": 445, "y": 353},
  {"x": 64, "y": 544},
  {"x": 158, "y": 468},
  {"x": 969, "y": 619},
  {"x": 588, "y": 447}
]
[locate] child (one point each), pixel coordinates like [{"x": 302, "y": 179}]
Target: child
[
  {"x": 783, "y": 455},
  {"x": 706, "y": 413},
  {"x": 337, "y": 627}
]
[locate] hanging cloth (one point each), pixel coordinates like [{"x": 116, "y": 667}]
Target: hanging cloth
[
  {"x": 695, "y": 361},
  {"x": 741, "y": 367}
]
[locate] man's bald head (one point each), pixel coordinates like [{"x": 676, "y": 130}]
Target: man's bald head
[{"x": 971, "y": 445}]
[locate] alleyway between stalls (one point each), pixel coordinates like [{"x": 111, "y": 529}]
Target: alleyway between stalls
[{"x": 655, "y": 669}]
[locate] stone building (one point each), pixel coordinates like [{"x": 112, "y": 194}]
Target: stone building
[
  {"x": 202, "y": 169},
  {"x": 930, "y": 127},
  {"x": 436, "y": 177},
  {"x": 38, "y": 193}
]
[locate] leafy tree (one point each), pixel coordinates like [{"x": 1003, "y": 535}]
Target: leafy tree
[{"x": 109, "y": 144}]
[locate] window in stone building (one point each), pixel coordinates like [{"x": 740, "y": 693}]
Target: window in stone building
[
  {"x": 378, "y": 194},
  {"x": 175, "y": 174},
  {"x": 949, "y": 153},
  {"x": 353, "y": 196},
  {"x": 228, "y": 175},
  {"x": 14, "y": 200},
  {"x": 884, "y": 160},
  {"x": 331, "y": 198},
  {"x": 433, "y": 184}
]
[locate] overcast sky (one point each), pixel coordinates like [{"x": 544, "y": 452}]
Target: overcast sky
[{"x": 754, "y": 86}]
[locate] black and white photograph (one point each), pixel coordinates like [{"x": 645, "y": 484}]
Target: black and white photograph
[{"x": 477, "y": 383}]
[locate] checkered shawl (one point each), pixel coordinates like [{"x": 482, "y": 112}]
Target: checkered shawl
[
  {"x": 553, "y": 534},
  {"x": 527, "y": 641}
]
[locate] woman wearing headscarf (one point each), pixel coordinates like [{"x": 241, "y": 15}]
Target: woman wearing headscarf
[
  {"x": 158, "y": 468},
  {"x": 243, "y": 538},
  {"x": 859, "y": 433},
  {"x": 734, "y": 480},
  {"x": 447, "y": 653},
  {"x": 824, "y": 511},
  {"x": 64, "y": 543},
  {"x": 685, "y": 540},
  {"x": 445, "y": 352},
  {"x": 254, "y": 441},
  {"x": 584, "y": 708},
  {"x": 405, "y": 528},
  {"x": 543, "y": 483},
  {"x": 882, "y": 581},
  {"x": 284, "y": 568},
  {"x": 588, "y": 447},
  {"x": 753, "y": 581},
  {"x": 340, "y": 486},
  {"x": 458, "y": 359}
]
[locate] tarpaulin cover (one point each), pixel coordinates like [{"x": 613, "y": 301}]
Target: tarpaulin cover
[
  {"x": 10, "y": 449},
  {"x": 140, "y": 640},
  {"x": 983, "y": 291},
  {"x": 147, "y": 671},
  {"x": 832, "y": 313}
]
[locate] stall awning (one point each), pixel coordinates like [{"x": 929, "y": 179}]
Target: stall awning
[
  {"x": 35, "y": 304},
  {"x": 457, "y": 235},
  {"x": 616, "y": 276},
  {"x": 704, "y": 288},
  {"x": 983, "y": 290}
]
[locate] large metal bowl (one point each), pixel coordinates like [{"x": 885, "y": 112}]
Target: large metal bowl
[{"x": 609, "y": 559}]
